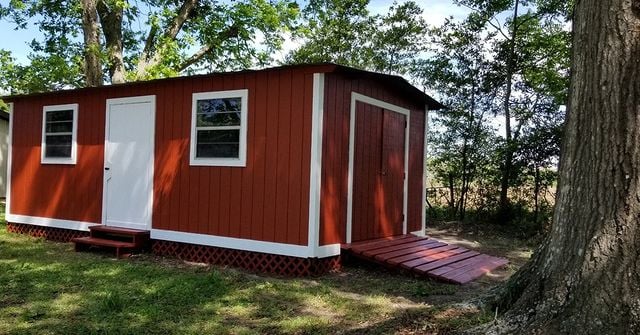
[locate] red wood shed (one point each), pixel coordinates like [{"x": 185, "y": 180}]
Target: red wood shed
[{"x": 268, "y": 169}]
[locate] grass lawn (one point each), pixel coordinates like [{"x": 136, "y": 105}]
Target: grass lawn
[{"x": 46, "y": 288}]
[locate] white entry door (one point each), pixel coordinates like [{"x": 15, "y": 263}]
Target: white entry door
[{"x": 128, "y": 162}]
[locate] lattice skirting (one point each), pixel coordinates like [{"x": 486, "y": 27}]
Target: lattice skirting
[
  {"x": 252, "y": 261},
  {"x": 49, "y": 233}
]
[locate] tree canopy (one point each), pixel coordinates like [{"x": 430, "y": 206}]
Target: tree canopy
[
  {"x": 89, "y": 42},
  {"x": 507, "y": 59}
]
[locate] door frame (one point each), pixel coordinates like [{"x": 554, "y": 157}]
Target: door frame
[
  {"x": 355, "y": 98},
  {"x": 129, "y": 101}
]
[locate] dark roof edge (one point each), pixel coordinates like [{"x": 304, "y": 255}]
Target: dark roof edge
[
  {"x": 431, "y": 103},
  {"x": 315, "y": 67},
  {"x": 4, "y": 115}
]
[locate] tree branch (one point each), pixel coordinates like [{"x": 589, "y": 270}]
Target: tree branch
[
  {"x": 195, "y": 57},
  {"x": 149, "y": 57},
  {"x": 224, "y": 35},
  {"x": 183, "y": 14},
  {"x": 148, "y": 44}
]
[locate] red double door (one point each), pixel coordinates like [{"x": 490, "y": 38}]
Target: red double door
[{"x": 378, "y": 173}]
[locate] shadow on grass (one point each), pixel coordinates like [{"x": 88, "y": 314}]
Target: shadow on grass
[{"x": 46, "y": 288}]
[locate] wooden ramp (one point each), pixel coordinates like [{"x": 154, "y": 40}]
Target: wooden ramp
[{"x": 426, "y": 256}]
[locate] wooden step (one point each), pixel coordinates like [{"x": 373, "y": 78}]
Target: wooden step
[
  {"x": 82, "y": 243},
  {"x": 138, "y": 237},
  {"x": 118, "y": 230}
]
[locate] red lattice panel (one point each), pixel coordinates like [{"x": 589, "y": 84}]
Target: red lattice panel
[
  {"x": 253, "y": 261},
  {"x": 49, "y": 233}
]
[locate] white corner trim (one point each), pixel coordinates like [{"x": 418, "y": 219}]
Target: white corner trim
[
  {"x": 74, "y": 135},
  {"x": 419, "y": 233},
  {"x": 315, "y": 179},
  {"x": 232, "y": 243},
  {"x": 49, "y": 222},
  {"x": 423, "y": 215},
  {"x": 328, "y": 250},
  {"x": 355, "y": 97},
  {"x": 7, "y": 209},
  {"x": 241, "y": 161}
]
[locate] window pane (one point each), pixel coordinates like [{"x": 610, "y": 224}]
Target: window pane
[
  {"x": 218, "y": 136},
  {"x": 58, "y": 146},
  {"x": 218, "y": 119},
  {"x": 218, "y": 143},
  {"x": 218, "y": 150},
  {"x": 218, "y": 112},
  {"x": 59, "y": 126},
  {"x": 61, "y": 115}
]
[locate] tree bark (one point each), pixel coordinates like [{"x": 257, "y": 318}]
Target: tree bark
[
  {"x": 92, "y": 62},
  {"x": 536, "y": 194},
  {"x": 111, "y": 19},
  {"x": 585, "y": 278},
  {"x": 508, "y": 152},
  {"x": 150, "y": 56}
]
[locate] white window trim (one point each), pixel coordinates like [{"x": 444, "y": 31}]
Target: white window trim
[
  {"x": 74, "y": 135},
  {"x": 241, "y": 161}
]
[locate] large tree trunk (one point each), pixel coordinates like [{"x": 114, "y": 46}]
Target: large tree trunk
[
  {"x": 111, "y": 19},
  {"x": 507, "y": 163},
  {"x": 585, "y": 279},
  {"x": 92, "y": 63}
]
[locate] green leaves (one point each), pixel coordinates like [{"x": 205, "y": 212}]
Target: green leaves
[
  {"x": 175, "y": 37},
  {"x": 336, "y": 31},
  {"x": 344, "y": 32}
]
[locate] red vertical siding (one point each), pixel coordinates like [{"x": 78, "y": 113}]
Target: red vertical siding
[
  {"x": 42, "y": 190},
  {"x": 250, "y": 202},
  {"x": 335, "y": 159},
  {"x": 266, "y": 200}
]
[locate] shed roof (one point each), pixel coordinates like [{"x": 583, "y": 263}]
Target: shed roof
[{"x": 396, "y": 81}]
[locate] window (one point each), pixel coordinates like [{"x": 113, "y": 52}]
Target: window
[
  {"x": 59, "y": 128},
  {"x": 219, "y": 128}
]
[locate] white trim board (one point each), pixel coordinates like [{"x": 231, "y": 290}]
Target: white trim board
[
  {"x": 284, "y": 249},
  {"x": 315, "y": 177},
  {"x": 355, "y": 97},
  {"x": 419, "y": 233},
  {"x": 10, "y": 149},
  {"x": 328, "y": 250},
  {"x": 49, "y": 222},
  {"x": 423, "y": 215}
]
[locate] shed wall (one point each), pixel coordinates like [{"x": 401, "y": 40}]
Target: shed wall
[
  {"x": 267, "y": 200},
  {"x": 335, "y": 155}
]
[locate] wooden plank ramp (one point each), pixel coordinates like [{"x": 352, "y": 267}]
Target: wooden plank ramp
[{"x": 426, "y": 256}]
